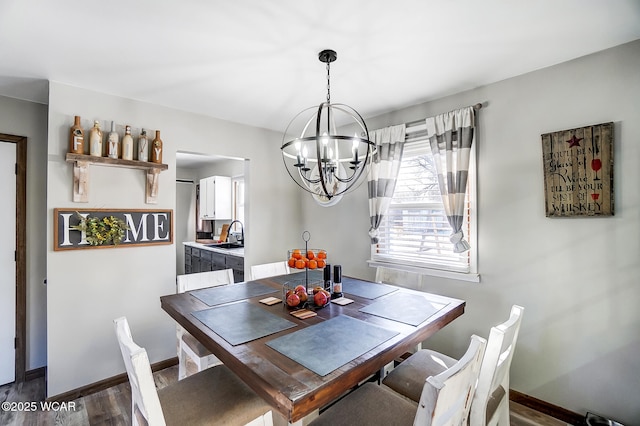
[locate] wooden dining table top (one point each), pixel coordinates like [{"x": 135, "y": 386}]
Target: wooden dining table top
[{"x": 289, "y": 387}]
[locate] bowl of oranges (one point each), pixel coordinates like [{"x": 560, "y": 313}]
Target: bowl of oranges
[{"x": 307, "y": 258}]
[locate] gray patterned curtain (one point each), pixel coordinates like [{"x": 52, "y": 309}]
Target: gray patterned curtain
[
  {"x": 450, "y": 136},
  {"x": 385, "y": 165}
]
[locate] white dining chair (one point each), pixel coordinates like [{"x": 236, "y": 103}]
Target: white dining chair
[
  {"x": 491, "y": 401},
  {"x": 445, "y": 398},
  {"x": 190, "y": 350},
  {"x": 213, "y": 396},
  {"x": 490, "y": 405},
  {"x": 269, "y": 270}
]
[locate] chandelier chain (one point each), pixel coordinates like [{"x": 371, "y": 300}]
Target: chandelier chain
[{"x": 328, "y": 85}]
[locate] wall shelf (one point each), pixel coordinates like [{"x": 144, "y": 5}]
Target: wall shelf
[{"x": 81, "y": 165}]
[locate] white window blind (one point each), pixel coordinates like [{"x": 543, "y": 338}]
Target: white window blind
[{"x": 415, "y": 231}]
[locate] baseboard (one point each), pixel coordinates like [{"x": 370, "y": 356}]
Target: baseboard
[
  {"x": 107, "y": 383},
  {"x": 546, "y": 408},
  {"x": 36, "y": 373}
]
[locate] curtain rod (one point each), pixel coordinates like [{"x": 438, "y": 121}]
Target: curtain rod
[{"x": 421, "y": 121}]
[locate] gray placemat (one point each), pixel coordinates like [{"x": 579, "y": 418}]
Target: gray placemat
[
  {"x": 331, "y": 344},
  {"x": 365, "y": 289},
  {"x": 213, "y": 296},
  {"x": 403, "y": 307},
  {"x": 242, "y": 322}
]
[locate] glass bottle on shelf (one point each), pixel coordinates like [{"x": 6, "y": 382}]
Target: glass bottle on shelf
[
  {"x": 337, "y": 282},
  {"x": 127, "y": 144},
  {"x": 76, "y": 139},
  {"x": 156, "y": 149},
  {"x": 95, "y": 140},
  {"x": 113, "y": 142},
  {"x": 143, "y": 146}
]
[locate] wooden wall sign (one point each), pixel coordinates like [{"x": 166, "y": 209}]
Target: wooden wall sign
[
  {"x": 146, "y": 227},
  {"x": 578, "y": 171}
]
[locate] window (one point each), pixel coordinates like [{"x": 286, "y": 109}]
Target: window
[{"x": 414, "y": 234}]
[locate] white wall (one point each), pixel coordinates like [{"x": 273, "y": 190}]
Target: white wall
[
  {"x": 577, "y": 278},
  {"x": 29, "y": 119},
  {"x": 89, "y": 288}
]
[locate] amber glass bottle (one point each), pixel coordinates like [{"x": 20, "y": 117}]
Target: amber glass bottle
[
  {"x": 76, "y": 138},
  {"x": 156, "y": 149}
]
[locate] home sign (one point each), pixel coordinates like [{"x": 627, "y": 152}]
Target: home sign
[
  {"x": 578, "y": 171},
  {"x": 102, "y": 228}
]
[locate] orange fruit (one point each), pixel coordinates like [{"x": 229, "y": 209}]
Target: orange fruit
[
  {"x": 300, "y": 264},
  {"x": 322, "y": 254},
  {"x": 296, "y": 254},
  {"x": 310, "y": 255},
  {"x": 292, "y": 262},
  {"x": 321, "y": 263},
  {"x": 313, "y": 264}
]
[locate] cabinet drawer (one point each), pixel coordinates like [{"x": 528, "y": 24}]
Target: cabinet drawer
[
  {"x": 235, "y": 263},
  {"x": 195, "y": 252},
  {"x": 187, "y": 259},
  {"x": 205, "y": 255},
  {"x": 187, "y": 249},
  {"x": 218, "y": 260}
]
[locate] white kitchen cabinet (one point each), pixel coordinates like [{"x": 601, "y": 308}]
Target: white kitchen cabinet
[{"x": 215, "y": 198}]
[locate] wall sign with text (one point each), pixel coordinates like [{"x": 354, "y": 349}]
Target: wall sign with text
[
  {"x": 578, "y": 171},
  {"x": 144, "y": 227}
]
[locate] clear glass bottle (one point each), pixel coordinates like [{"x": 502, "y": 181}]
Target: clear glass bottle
[
  {"x": 143, "y": 146},
  {"x": 76, "y": 138},
  {"x": 113, "y": 142},
  {"x": 156, "y": 149},
  {"x": 95, "y": 140},
  {"x": 127, "y": 144}
]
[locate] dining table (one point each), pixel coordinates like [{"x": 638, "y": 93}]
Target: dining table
[{"x": 302, "y": 363}]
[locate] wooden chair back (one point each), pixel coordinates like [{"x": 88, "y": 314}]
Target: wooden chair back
[
  {"x": 269, "y": 270},
  {"x": 144, "y": 396},
  {"x": 494, "y": 371},
  {"x": 446, "y": 398}
]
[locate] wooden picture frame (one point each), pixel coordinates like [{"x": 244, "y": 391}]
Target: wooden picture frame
[
  {"x": 147, "y": 227},
  {"x": 578, "y": 171}
]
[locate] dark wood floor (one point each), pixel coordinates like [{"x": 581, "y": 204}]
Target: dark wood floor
[{"x": 113, "y": 406}]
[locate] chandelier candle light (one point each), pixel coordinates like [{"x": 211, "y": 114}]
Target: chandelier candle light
[{"x": 319, "y": 159}]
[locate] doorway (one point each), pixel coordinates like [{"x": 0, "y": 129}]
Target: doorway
[{"x": 13, "y": 269}]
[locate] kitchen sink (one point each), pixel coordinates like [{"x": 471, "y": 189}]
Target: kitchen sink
[{"x": 226, "y": 245}]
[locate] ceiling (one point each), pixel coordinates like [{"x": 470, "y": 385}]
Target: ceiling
[{"x": 255, "y": 61}]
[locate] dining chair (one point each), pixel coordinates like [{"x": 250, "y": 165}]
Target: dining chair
[
  {"x": 445, "y": 399},
  {"x": 269, "y": 270},
  {"x": 491, "y": 401},
  {"x": 189, "y": 348},
  {"x": 213, "y": 396}
]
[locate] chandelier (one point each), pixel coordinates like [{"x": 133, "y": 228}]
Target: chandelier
[{"x": 318, "y": 158}]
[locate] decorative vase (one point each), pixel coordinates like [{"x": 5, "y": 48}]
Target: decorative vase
[
  {"x": 76, "y": 138},
  {"x": 113, "y": 142},
  {"x": 143, "y": 146},
  {"x": 127, "y": 144},
  {"x": 156, "y": 149},
  {"x": 95, "y": 140}
]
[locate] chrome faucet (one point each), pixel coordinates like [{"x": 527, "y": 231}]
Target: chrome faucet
[{"x": 241, "y": 229}]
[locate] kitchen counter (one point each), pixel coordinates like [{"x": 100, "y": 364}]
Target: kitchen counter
[{"x": 238, "y": 252}]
